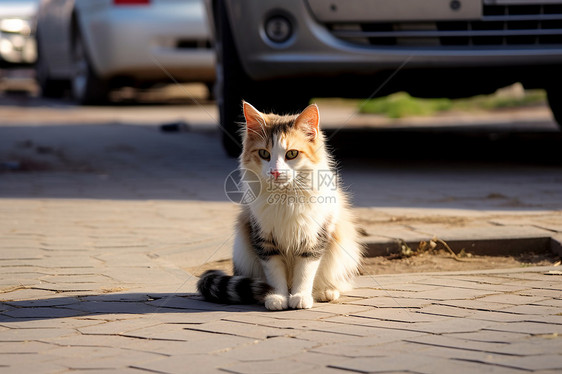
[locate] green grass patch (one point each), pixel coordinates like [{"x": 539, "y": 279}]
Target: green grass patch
[{"x": 401, "y": 104}]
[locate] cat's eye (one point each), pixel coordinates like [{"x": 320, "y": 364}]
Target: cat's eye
[
  {"x": 292, "y": 154},
  {"x": 264, "y": 154}
]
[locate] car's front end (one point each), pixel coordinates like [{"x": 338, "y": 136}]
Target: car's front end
[
  {"x": 281, "y": 53},
  {"x": 147, "y": 39},
  {"x": 288, "y": 38}
]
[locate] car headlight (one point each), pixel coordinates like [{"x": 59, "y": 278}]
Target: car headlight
[{"x": 15, "y": 25}]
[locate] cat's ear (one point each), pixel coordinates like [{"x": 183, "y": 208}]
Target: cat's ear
[
  {"x": 254, "y": 119},
  {"x": 309, "y": 121}
]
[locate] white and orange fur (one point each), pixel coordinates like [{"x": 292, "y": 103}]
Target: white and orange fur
[{"x": 296, "y": 278}]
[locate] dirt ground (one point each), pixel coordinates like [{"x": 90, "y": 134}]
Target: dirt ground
[{"x": 434, "y": 261}]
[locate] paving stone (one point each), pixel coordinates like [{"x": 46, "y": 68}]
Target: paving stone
[
  {"x": 167, "y": 332},
  {"x": 207, "y": 345},
  {"x": 511, "y": 299},
  {"x": 298, "y": 315},
  {"x": 24, "y": 347},
  {"x": 270, "y": 320},
  {"x": 462, "y": 344},
  {"x": 183, "y": 303},
  {"x": 474, "y": 304},
  {"x": 25, "y": 323},
  {"x": 339, "y": 309},
  {"x": 182, "y": 364},
  {"x": 188, "y": 318},
  {"x": 318, "y": 359},
  {"x": 22, "y": 335},
  {"x": 533, "y": 309},
  {"x": 527, "y": 328},
  {"x": 467, "y": 366},
  {"x": 491, "y": 336},
  {"x": 26, "y": 294},
  {"x": 378, "y": 343},
  {"x": 530, "y": 363},
  {"x": 30, "y": 363},
  {"x": 392, "y": 302},
  {"x": 76, "y": 279},
  {"x": 549, "y": 302},
  {"x": 500, "y": 316},
  {"x": 328, "y": 370},
  {"x": 446, "y": 325},
  {"x": 241, "y": 329},
  {"x": 51, "y": 302},
  {"x": 322, "y": 337},
  {"x": 269, "y": 349},
  {"x": 128, "y": 307},
  {"x": 401, "y": 362},
  {"x": 344, "y": 325},
  {"x": 117, "y": 296},
  {"x": 463, "y": 283},
  {"x": 446, "y": 311},
  {"x": 398, "y": 315},
  {"x": 453, "y": 293},
  {"x": 68, "y": 287},
  {"x": 369, "y": 293},
  {"x": 117, "y": 327},
  {"x": 100, "y": 358},
  {"x": 269, "y": 367},
  {"x": 79, "y": 340},
  {"x": 43, "y": 313}
]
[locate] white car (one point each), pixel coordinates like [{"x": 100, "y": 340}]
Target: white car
[
  {"x": 17, "y": 44},
  {"x": 97, "y": 45}
]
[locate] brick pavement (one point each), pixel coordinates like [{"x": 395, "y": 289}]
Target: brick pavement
[{"x": 95, "y": 242}]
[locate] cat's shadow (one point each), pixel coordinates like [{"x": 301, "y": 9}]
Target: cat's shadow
[{"x": 114, "y": 304}]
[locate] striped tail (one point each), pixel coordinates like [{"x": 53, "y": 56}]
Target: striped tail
[{"x": 218, "y": 287}]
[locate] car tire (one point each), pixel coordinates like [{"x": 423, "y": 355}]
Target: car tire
[
  {"x": 50, "y": 88},
  {"x": 554, "y": 95},
  {"x": 87, "y": 87},
  {"x": 233, "y": 85}
]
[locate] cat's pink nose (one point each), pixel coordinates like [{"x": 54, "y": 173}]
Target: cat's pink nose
[{"x": 275, "y": 173}]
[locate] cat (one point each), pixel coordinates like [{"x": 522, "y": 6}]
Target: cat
[{"x": 296, "y": 242}]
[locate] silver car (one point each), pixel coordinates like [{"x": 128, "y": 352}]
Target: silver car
[
  {"x": 97, "y": 45},
  {"x": 17, "y": 42},
  {"x": 280, "y": 53}
]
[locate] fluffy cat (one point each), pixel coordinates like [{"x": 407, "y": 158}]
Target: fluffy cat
[{"x": 296, "y": 242}]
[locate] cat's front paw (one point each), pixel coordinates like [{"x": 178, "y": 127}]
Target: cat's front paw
[
  {"x": 301, "y": 301},
  {"x": 327, "y": 295},
  {"x": 276, "y": 302}
]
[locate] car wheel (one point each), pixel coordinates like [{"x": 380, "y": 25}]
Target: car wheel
[
  {"x": 554, "y": 95},
  {"x": 233, "y": 85},
  {"x": 51, "y": 88},
  {"x": 87, "y": 87}
]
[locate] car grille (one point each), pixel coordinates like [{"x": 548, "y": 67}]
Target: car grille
[{"x": 500, "y": 26}]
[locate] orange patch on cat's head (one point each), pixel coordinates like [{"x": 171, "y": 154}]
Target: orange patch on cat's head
[
  {"x": 300, "y": 132},
  {"x": 311, "y": 149}
]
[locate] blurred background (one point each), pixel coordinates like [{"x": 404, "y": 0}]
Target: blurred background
[{"x": 480, "y": 65}]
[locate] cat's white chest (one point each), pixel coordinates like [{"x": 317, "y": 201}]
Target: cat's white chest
[{"x": 292, "y": 225}]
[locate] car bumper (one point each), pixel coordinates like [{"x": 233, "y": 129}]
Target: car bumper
[
  {"x": 150, "y": 43},
  {"x": 314, "y": 51}
]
